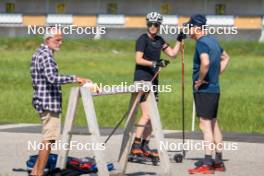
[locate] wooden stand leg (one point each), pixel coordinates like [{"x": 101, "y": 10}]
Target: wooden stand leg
[
  {"x": 93, "y": 127},
  {"x": 69, "y": 120},
  {"x": 158, "y": 134},
  {"x": 128, "y": 133}
]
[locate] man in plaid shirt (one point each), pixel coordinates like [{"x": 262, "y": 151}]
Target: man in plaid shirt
[{"x": 47, "y": 94}]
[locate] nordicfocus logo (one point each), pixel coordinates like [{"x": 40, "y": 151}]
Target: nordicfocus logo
[
  {"x": 226, "y": 30},
  {"x": 125, "y": 87},
  {"x": 66, "y": 30},
  {"x": 198, "y": 146},
  {"x": 59, "y": 145}
]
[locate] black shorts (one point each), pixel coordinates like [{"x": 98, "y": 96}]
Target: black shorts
[
  {"x": 143, "y": 98},
  {"x": 206, "y": 104},
  {"x": 155, "y": 83}
]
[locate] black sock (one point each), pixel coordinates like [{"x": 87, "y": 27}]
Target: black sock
[
  {"x": 137, "y": 140},
  {"x": 218, "y": 157},
  {"x": 208, "y": 160},
  {"x": 144, "y": 141}
]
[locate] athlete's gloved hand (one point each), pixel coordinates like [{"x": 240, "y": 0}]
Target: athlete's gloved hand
[
  {"x": 181, "y": 36},
  {"x": 160, "y": 63}
]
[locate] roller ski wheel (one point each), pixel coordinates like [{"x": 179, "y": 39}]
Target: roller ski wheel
[
  {"x": 136, "y": 158},
  {"x": 153, "y": 156},
  {"x": 136, "y": 154},
  {"x": 155, "y": 161},
  {"x": 178, "y": 158}
]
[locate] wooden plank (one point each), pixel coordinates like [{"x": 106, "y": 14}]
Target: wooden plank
[
  {"x": 68, "y": 123},
  {"x": 128, "y": 133},
  {"x": 128, "y": 89},
  {"x": 158, "y": 134},
  {"x": 110, "y": 93},
  {"x": 93, "y": 128}
]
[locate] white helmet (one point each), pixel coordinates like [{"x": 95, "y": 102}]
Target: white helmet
[{"x": 154, "y": 17}]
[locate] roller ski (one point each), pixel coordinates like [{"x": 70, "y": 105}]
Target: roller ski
[
  {"x": 140, "y": 153},
  {"x": 152, "y": 154}
]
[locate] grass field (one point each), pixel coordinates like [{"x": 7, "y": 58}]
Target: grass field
[{"x": 112, "y": 62}]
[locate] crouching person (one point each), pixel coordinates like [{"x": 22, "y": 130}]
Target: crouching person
[{"x": 47, "y": 95}]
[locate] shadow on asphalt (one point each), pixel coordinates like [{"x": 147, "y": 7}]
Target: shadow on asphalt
[
  {"x": 199, "y": 161},
  {"x": 141, "y": 173}
]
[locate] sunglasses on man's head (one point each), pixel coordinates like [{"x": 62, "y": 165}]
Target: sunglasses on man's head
[{"x": 153, "y": 24}]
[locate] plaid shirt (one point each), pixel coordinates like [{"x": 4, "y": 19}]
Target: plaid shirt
[{"x": 46, "y": 82}]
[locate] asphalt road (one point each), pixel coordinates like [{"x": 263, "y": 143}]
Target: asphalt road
[{"x": 246, "y": 158}]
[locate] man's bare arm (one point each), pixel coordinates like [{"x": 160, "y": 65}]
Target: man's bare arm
[
  {"x": 224, "y": 61},
  {"x": 204, "y": 67}
]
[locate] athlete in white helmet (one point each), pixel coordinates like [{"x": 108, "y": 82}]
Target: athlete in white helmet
[
  {"x": 154, "y": 17},
  {"x": 148, "y": 50}
]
